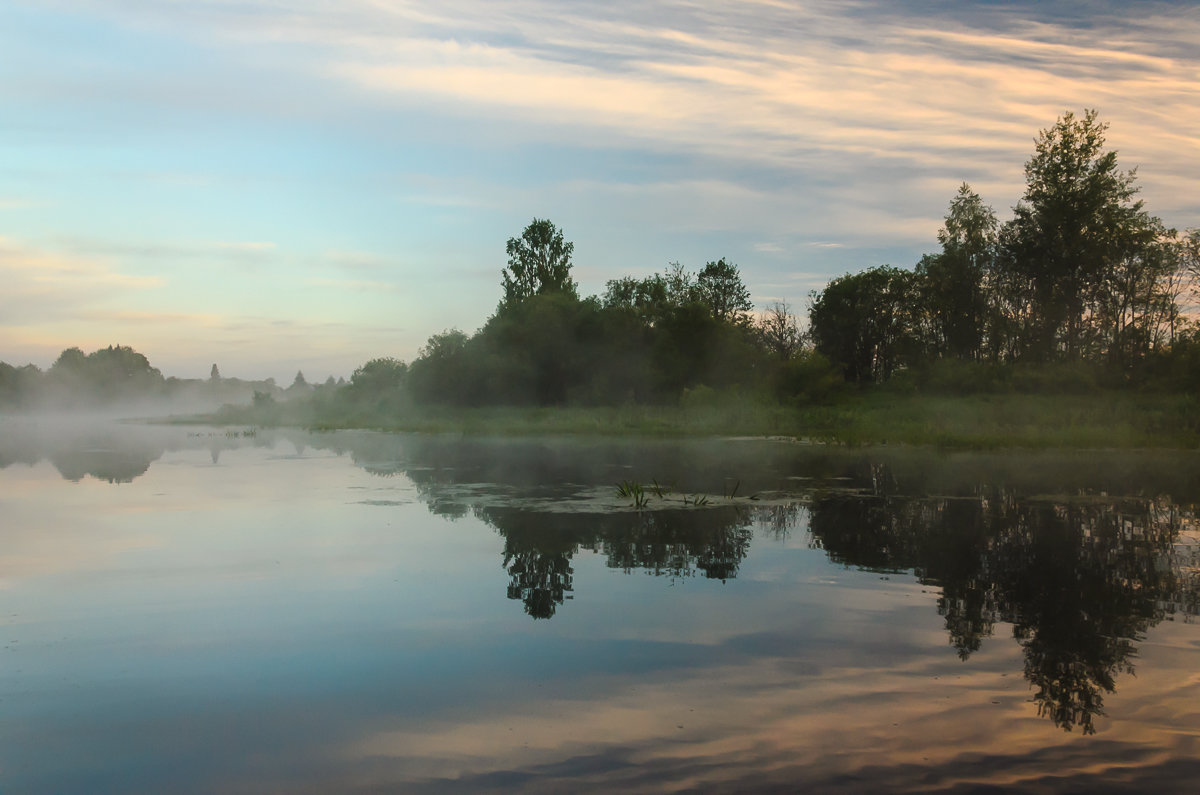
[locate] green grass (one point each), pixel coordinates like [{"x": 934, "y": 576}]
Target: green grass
[{"x": 1099, "y": 420}]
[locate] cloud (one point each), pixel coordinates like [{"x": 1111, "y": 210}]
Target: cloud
[
  {"x": 782, "y": 83},
  {"x": 54, "y": 299},
  {"x": 250, "y": 246},
  {"x": 732, "y": 84},
  {"x": 819, "y": 137},
  {"x": 355, "y": 285},
  {"x": 19, "y": 204},
  {"x": 159, "y": 250},
  {"x": 42, "y": 285}
]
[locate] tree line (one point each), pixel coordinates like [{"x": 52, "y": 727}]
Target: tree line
[
  {"x": 652, "y": 339},
  {"x": 118, "y": 375},
  {"x": 1081, "y": 288},
  {"x": 1081, "y": 279}
]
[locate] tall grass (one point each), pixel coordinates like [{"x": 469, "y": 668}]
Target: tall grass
[{"x": 1096, "y": 420}]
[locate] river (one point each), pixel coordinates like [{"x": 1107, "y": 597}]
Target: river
[{"x": 192, "y": 609}]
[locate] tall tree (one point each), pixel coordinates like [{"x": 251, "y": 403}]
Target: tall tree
[
  {"x": 952, "y": 283},
  {"x": 1077, "y": 220},
  {"x": 539, "y": 261}
]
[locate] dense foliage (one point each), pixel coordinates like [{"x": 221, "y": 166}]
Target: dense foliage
[
  {"x": 1082, "y": 280},
  {"x": 646, "y": 340}
]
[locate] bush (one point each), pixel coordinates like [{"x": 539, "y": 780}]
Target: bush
[{"x": 808, "y": 377}]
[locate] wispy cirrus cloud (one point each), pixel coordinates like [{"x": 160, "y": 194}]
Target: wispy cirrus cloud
[
  {"x": 751, "y": 79},
  {"x": 839, "y": 90},
  {"x": 38, "y": 282},
  {"x": 132, "y": 249},
  {"x": 318, "y": 152}
]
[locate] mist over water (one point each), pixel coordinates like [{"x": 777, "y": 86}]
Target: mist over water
[{"x": 202, "y": 609}]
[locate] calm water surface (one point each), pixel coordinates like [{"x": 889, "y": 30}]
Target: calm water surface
[{"x": 192, "y": 609}]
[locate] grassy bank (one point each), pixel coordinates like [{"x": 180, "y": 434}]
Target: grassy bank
[
  {"x": 1100, "y": 420},
  {"x": 1103, "y": 420}
]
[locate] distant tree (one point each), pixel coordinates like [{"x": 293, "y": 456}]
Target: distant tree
[
  {"x": 863, "y": 322},
  {"x": 679, "y": 284},
  {"x": 442, "y": 371},
  {"x": 70, "y": 360},
  {"x": 18, "y": 384},
  {"x": 646, "y": 296},
  {"x": 719, "y": 286},
  {"x": 119, "y": 370},
  {"x": 214, "y": 375},
  {"x": 265, "y": 406},
  {"x": 539, "y": 261},
  {"x": 779, "y": 331},
  {"x": 1135, "y": 310},
  {"x": 653, "y": 297},
  {"x": 1190, "y": 252},
  {"x": 378, "y": 376},
  {"x": 298, "y": 382}
]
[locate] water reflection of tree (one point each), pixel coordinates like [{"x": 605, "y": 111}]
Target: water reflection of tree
[
  {"x": 537, "y": 557},
  {"x": 539, "y": 546},
  {"x": 1080, "y": 580}
]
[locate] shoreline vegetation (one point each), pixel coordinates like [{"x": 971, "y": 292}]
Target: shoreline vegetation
[
  {"x": 1070, "y": 325},
  {"x": 1099, "y": 420}
]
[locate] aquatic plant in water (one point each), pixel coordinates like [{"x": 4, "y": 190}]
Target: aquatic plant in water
[{"x": 630, "y": 489}]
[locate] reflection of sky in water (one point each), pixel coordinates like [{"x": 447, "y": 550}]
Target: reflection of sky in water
[{"x": 285, "y": 620}]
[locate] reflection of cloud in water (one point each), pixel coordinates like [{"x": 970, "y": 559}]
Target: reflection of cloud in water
[{"x": 761, "y": 726}]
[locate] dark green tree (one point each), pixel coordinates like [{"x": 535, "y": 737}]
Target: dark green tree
[
  {"x": 377, "y": 378},
  {"x": 539, "y": 261},
  {"x": 18, "y": 385},
  {"x": 654, "y": 297},
  {"x": 1135, "y": 311},
  {"x": 1077, "y": 220},
  {"x": 863, "y": 322},
  {"x": 719, "y": 286},
  {"x": 442, "y": 371},
  {"x": 70, "y": 360},
  {"x": 952, "y": 283}
]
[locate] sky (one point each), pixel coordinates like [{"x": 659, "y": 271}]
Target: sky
[{"x": 276, "y": 185}]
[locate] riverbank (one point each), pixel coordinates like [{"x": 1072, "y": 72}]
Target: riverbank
[{"x": 1090, "y": 421}]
